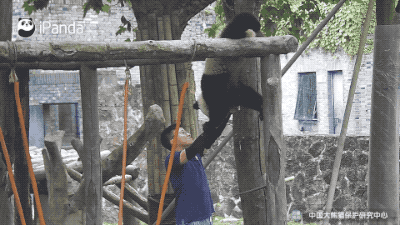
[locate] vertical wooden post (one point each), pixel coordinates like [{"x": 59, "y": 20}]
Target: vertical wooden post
[
  {"x": 91, "y": 145},
  {"x": 172, "y": 86},
  {"x": 181, "y": 75},
  {"x": 383, "y": 162},
  {"x": 6, "y": 112},
  {"x": 164, "y": 75},
  {"x": 247, "y": 149},
  {"x": 275, "y": 151},
  {"x": 22, "y": 178},
  {"x": 155, "y": 159},
  {"x": 173, "y": 89},
  {"x": 7, "y": 105}
]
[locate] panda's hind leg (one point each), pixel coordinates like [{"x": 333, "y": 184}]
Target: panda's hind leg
[
  {"x": 216, "y": 95},
  {"x": 217, "y": 114},
  {"x": 250, "y": 98},
  {"x": 217, "y": 119}
]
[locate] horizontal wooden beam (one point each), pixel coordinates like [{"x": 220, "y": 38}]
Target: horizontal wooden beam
[{"x": 71, "y": 55}]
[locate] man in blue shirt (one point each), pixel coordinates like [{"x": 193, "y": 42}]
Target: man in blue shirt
[{"x": 194, "y": 205}]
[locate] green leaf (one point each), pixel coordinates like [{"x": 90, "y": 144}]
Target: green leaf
[
  {"x": 30, "y": 9},
  {"x": 105, "y": 8},
  {"x": 219, "y": 9},
  {"x": 264, "y": 12}
]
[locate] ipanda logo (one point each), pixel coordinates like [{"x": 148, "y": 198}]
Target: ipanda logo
[{"x": 26, "y": 27}]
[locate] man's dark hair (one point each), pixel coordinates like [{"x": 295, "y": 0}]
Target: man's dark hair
[{"x": 167, "y": 135}]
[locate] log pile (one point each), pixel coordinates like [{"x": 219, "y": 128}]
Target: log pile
[{"x": 70, "y": 158}]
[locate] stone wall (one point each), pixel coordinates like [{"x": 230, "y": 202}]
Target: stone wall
[{"x": 310, "y": 160}]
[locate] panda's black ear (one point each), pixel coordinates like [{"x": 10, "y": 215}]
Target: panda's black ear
[
  {"x": 30, "y": 19},
  {"x": 19, "y": 19}
]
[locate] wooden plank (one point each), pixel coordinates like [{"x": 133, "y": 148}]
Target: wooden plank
[{"x": 91, "y": 145}]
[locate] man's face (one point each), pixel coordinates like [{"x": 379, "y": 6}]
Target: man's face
[{"x": 184, "y": 139}]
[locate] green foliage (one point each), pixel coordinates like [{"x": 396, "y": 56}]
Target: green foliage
[
  {"x": 300, "y": 18},
  {"x": 344, "y": 29},
  {"x": 106, "y": 8},
  {"x": 219, "y": 24},
  {"x": 33, "y": 5},
  {"x": 97, "y": 5}
]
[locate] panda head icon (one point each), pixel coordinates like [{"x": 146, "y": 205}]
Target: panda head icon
[{"x": 26, "y": 27}]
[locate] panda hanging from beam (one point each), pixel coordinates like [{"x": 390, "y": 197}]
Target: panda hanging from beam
[{"x": 221, "y": 90}]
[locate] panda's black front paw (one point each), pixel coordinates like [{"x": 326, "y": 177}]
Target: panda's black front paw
[
  {"x": 196, "y": 105},
  {"x": 206, "y": 127}
]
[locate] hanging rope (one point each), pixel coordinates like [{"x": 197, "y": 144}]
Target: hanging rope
[
  {"x": 121, "y": 200},
  {"x": 11, "y": 176},
  {"x": 171, "y": 158},
  {"x": 14, "y": 78}
]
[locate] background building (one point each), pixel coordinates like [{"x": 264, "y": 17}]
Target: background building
[{"x": 314, "y": 89}]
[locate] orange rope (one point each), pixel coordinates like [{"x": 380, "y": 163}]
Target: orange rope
[
  {"x": 171, "y": 158},
  {"x": 11, "y": 176},
  {"x": 28, "y": 157},
  {"x": 121, "y": 200}
]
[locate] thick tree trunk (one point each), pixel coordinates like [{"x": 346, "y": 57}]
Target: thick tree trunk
[
  {"x": 246, "y": 130},
  {"x": 383, "y": 165},
  {"x": 247, "y": 152}
]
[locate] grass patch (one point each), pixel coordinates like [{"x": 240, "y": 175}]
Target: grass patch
[
  {"x": 294, "y": 223},
  {"x": 217, "y": 221}
]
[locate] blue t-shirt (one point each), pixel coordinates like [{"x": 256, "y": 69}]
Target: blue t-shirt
[{"x": 193, "y": 196}]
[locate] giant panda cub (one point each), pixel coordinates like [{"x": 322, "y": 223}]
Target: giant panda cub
[{"x": 221, "y": 90}]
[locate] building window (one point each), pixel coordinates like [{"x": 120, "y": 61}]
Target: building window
[
  {"x": 306, "y": 106},
  {"x": 335, "y": 101}
]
